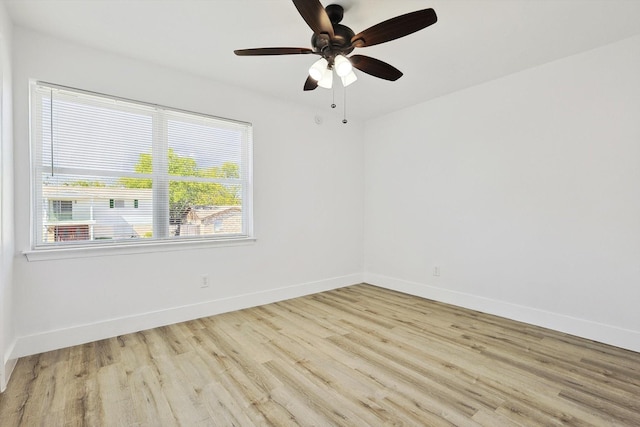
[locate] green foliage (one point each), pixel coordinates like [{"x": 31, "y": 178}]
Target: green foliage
[
  {"x": 184, "y": 194},
  {"x": 144, "y": 165},
  {"x": 84, "y": 183}
]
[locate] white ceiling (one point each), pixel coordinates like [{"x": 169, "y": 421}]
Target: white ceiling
[{"x": 473, "y": 41}]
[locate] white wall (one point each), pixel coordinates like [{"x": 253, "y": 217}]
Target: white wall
[
  {"x": 523, "y": 190},
  {"x": 308, "y": 210},
  {"x": 6, "y": 201}
]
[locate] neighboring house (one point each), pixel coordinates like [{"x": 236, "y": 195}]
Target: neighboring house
[
  {"x": 204, "y": 220},
  {"x": 94, "y": 213}
]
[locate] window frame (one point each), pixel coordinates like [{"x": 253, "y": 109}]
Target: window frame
[{"x": 40, "y": 250}]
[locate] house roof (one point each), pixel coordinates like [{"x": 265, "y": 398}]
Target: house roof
[
  {"x": 80, "y": 193},
  {"x": 214, "y": 212}
]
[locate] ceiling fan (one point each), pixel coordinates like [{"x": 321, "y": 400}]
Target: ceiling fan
[{"x": 334, "y": 41}]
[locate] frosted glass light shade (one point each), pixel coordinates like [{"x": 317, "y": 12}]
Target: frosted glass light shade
[
  {"x": 327, "y": 79},
  {"x": 349, "y": 78},
  {"x": 342, "y": 65},
  {"x": 318, "y": 69}
]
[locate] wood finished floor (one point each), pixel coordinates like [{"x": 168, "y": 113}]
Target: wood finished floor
[{"x": 356, "y": 356}]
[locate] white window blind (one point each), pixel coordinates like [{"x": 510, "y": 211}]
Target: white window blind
[{"x": 109, "y": 170}]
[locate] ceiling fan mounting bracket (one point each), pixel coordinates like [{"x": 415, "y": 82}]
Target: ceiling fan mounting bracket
[{"x": 335, "y": 12}]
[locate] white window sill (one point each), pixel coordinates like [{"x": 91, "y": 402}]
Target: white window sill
[{"x": 126, "y": 248}]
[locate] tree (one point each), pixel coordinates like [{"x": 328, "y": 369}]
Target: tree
[
  {"x": 184, "y": 194},
  {"x": 144, "y": 165},
  {"x": 196, "y": 193}
]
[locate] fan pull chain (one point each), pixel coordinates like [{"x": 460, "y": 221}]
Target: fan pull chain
[
  {"x": 333, "y": 96},
  {"x": 344, "y": 120}
]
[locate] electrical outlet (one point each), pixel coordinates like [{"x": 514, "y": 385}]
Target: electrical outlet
[
  {"x": 436, "y": 271},
  {"x": 204, "y": 281}
]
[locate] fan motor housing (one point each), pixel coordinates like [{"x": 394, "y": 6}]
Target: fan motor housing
[
  {"x": 339, "y": 45},
  {"x": 341, "y": 42}
]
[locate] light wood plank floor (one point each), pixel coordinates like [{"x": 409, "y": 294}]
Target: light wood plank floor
[{"x": 357, "y": 356}]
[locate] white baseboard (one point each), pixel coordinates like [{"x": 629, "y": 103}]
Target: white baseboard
[
  {"x": 619, "y": 337},
  {"x": 80, "y": 334},
  {"x": 7, "y": 368}
]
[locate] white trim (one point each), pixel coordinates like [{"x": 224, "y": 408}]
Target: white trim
[
  {"x": 128, "y": 248},
  {"x": 7, "y": 368},
  {"x": 80, "y": 334},
  {"x": 608, "y": 334},
  {"x": 119, "y": 99}
]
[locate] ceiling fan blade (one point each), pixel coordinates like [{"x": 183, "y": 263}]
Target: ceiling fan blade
[
  {"x": 395, "y": 28},
  {"x": 315, "y": 16},
  {"x": 310, "y": 84},
  {"x": 273, "y": 51},
  {"x": 375, "y": 67}
]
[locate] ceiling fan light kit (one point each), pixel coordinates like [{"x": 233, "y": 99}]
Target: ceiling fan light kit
[
  {"x": 318, "y": 69},
  {"x": 342, "y": 65},
  {"x": 322, "y": 72},
  {"x": 349, "y": 78},
  {"x": 334, "y": 41},
  {"x": 327, "y": 79}
]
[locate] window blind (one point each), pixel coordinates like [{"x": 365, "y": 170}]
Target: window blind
[{"x": 108, "y": 169}]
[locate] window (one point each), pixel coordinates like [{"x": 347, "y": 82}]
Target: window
[
  {"x": 113, "y": 203},
  {"x": 62, "y": 210},
  {"x": 107, "y": 169}
]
